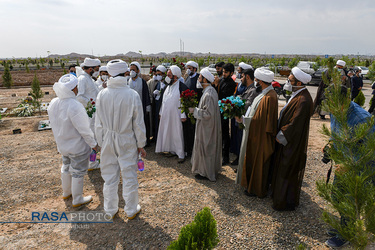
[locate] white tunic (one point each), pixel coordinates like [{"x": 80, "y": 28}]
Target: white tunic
[
  {"x": 170, "y": 135},
  {"x": 87, "y": 89}
]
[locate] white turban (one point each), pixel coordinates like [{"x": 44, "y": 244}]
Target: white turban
[
  {"x": 136, "y": 64},
  {"x": 161, "y": 68},
  {"x": 208, "y": 75},
  {"x": 89, "y": 62},
  {"x": 117, "y": 66},
  {"x": 98, "y": 62},
  {"x": 103, "y": 68},
  {"x": 264, "y": 75},
  {"x": 192, "y": 64},
  {"x": 341, "y": 63},
  {"x": 69, "y": 80},
  {"x": 176, "y": 71},
  {"x": 301, "y": 76},
  {"x": 243, "y": 65}
]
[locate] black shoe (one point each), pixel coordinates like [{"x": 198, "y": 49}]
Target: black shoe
[
  {"x": 181, "y": 160},
  {"x": 332, "y": 232},
  {"x": 249, "y": 194},
  {"x": 336, "y": 242},
  {"x": 235, "y": 162},
  {"x": 200, "y": 177}
]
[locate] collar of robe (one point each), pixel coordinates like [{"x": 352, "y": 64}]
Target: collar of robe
[{"x": 117, "y": 82}]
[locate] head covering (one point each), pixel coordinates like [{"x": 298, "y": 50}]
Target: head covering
[
  {"x": 301, "y": 76},
  {"x": 176, "y": 71},
  {"x": 89, "y": 62},
  {"x": 135, "y": 64},
  {"x": 117, "y": 66},
  {"x": 243, "y": 65},
  {"x": 264, "y": 75},
  {"x": 161, "y": 68},
  {"x": 341, "y": 63},
  {"x": 208, "y": 75},
  {"x": 98, "y": 62},
  {"x": 192, "y": 64},
  {"x": 103, "y": 68},
  {"x": 68, "y": 80}
]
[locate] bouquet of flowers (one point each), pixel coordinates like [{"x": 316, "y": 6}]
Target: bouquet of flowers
[
  {"x": 231, "y": 107},
  {"x": 90, "y": 108},
  {"x": 23, "y": 110},
  {"x": 189, "y": 99}
]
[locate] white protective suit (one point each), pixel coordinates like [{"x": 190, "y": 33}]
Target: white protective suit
[
  {"x": 70, "y": 123},
  {"x": 120, "y": 131}
]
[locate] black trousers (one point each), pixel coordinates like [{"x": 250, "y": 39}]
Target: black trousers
[
  {"x": 225, "y": 137},
  {"x": 189, "y": 136}
]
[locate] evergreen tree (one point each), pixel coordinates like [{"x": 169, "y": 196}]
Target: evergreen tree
[
  {"x": 36, "y": 92},
  {"x": 352, "y": 195},
  {"x": 7, "y": 77},
  {"x": 200, "y": 234}
]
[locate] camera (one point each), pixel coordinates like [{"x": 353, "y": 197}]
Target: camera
[{"x": 326, "y": 158}]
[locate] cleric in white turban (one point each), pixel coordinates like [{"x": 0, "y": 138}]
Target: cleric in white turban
[
  {"x": 292, "y": 140},
  {"x": 206, "y": 158}
]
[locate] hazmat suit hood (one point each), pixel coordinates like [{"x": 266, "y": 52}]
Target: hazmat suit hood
[{"x": 63, "y": 88}]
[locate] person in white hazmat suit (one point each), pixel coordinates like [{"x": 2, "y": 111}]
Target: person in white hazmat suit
[
  {"x": 88, "y": 91},
  {"x": 121, "y": 133},
  {"x": 74, "y": 138}
]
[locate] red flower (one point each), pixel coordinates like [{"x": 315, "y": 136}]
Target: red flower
[
  {"x": 93, "y": 103},
  {"x": 91, "y": 99}
]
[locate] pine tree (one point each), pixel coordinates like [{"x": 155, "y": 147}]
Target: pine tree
[
  {"x": 36, "y": 92},
  {"x": 7, "y": 77},
  {"x": 200, "y": 234},
  {"x": 352, "y": 149}
]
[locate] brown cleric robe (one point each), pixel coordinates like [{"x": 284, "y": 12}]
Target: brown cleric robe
[
  {"x": 260, "y": 146},
  {"x": 290, "y": 160}
]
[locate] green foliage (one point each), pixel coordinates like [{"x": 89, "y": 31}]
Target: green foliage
[
  {"x": 371, "y": 72},
  {"x": 7, "y": 77},
  {"x": 27, "y": 68},
  {"x": 352, "y": 149},
  {"x": 360, "y": 99},
  {"x": 36, "y": 92},
  {"x": 200, "y": 234}
]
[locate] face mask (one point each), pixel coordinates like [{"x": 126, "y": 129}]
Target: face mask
[
  {"x": 133, "y": 74},
  {"x": 158, "y": 77},
  {"x": 104, "y": 78},
  {"x": 95, "y": 74},
  {"x": 188, "y": 71},
  {"x": 288, "y": 86},
  {"x": 256, "y": 84},
  {"x": 199, "y": 85},
  {"x": 168, "y": 80},
  {"x": 238, "y": 75}
]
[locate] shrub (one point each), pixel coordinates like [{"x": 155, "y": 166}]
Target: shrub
[
  {"x": 200, "y": 234},
  {"x": 7, "y": 77},
  {"x": 360, "y": 99},
  {"x": 36, "y": 92}
]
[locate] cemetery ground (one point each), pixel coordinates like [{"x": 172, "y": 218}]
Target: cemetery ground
[{"x": 169, "y": 194}]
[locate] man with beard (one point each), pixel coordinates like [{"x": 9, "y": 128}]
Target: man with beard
[
  {"x": 140, "y": 86},
  {"x": 250, "y": 92},
  {"x": 258, "y": 145},
  {"x": 225, "y": 88},
  {"x": 170, "y": 134},
  {"x": 189, "y": 128},
  {"x": 87, "y": 92},
  {"x": 291, "y": 147}
]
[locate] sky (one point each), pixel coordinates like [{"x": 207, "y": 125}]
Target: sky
[{"x": 30, "y": 28}]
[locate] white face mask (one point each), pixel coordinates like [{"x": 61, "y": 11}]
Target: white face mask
[
  {"x": 157, "y": 77},
  {"x": 188, "y": 71},
  {"x": 95, "y": 74},
  {"x": 256, "y": 84},
  {"x": 238, "y": 75},
  {"x": 104, "y": 78},
  {"x": 168, "y": 80},
  {"x": 199, "y": 85},
  {"x": 133, "y": 74},
  {"x": 288, "y": 86}
]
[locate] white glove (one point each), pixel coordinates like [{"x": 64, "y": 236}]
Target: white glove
[
  {"x": 156, "y": 92},
  {"x": 148, "y": 108}
]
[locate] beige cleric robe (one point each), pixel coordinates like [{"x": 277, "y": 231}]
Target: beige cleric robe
[
  {"x": 260, "y": 146},
  {"x": 206, "y": 158}
]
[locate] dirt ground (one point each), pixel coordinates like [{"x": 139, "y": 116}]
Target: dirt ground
[{"x": 170, "y": 197}]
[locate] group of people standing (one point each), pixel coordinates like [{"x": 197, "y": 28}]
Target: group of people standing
[{"x": 131, "y": 114}]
